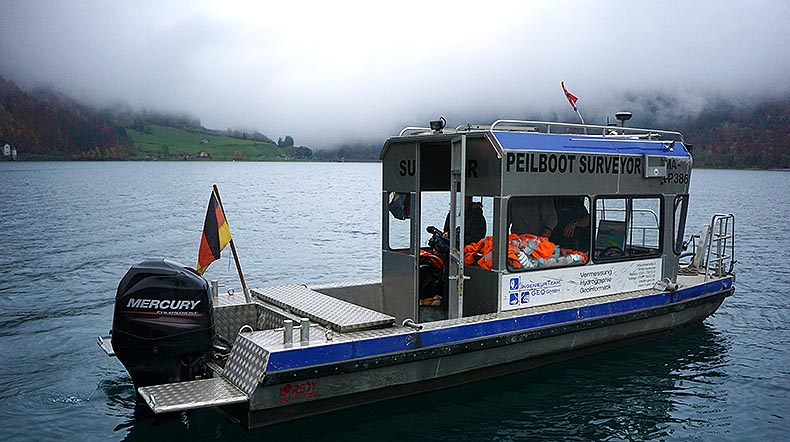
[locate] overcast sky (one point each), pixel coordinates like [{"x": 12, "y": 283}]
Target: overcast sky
[{"x": 333, "y": 71}]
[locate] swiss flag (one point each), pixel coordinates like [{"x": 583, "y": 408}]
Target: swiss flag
[{"x": 571, "y": 98}]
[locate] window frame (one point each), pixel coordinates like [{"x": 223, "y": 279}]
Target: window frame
[
  {"x": 629, "y": 228},
  {"x": 678, "y": 234},
  {"x": 587, "y": 197}
]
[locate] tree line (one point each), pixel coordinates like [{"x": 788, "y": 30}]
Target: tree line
[
  {"x": 729, "y": 136},
  {"x": 45, "y": 124}
]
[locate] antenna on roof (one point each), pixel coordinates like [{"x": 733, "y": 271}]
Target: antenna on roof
[{"x": 623, "y": 117}]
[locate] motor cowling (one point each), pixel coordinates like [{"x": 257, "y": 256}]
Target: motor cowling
[{"x": 163, "y": 323}]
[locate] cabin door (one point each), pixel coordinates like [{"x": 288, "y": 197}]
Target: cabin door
[{"x": 457, "y": 197}]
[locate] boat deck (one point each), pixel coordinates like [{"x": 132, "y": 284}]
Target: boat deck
[
  {"x": 337, "y": 320},
  {"x": 253, "y": 350},
  {"x": 323, "y": 309}
]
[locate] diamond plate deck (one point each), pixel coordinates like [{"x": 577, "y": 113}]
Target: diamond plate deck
[
  {"x": 194, "y": 394},
  {"x": 330, "y": 312},
  {"x": 246, "y": 364}
]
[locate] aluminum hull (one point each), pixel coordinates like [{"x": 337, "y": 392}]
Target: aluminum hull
[{"x": 391, "y": 376}]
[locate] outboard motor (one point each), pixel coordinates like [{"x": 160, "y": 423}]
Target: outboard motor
[{"x": 163, "y": 323}]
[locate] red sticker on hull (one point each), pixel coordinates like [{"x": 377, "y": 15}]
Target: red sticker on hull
[{"x": 293, "y": 392}]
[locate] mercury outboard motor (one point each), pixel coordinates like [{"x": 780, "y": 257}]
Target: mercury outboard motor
[{"x": 163, "y": 323}]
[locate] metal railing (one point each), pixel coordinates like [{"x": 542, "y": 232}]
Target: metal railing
[
  {"x": 720, "y": 253},
  {"x": 535, "y": 126},
  {"x": 606, "y": 131},
  {"x": 714, "y": 248},
  {"x": 601, "y": 214},
  {"x": 415, "y": 130}
]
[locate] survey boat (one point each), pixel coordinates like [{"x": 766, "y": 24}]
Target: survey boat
[{"x": 606, "y": 264}]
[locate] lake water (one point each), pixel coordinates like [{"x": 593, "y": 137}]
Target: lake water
[{"x": 71, "y": 230}]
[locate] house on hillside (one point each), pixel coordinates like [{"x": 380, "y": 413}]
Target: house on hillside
[
  {"x": 8, "y": 151},
  {"x": 205, "y": 141}
]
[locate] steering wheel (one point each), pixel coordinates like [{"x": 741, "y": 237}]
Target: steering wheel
[{"x": 611, "y": 252}]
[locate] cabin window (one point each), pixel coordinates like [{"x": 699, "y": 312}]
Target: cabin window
[
  {"x": 479, "y": 213},
  {"x": 435, "y": 212},
  {"x": 434, "y": 207},
  {"x": 679, "y": 226},
  {"x": 546, "y": 232},
  {"x": 399, "y": 231},
  {"x": 627, "y": 228}
]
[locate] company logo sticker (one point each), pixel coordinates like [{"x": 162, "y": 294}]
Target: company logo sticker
[
  {"x": 514, "y": 283},
  {"x": 514, "y": 299},
  {"x": 293, "y": 392}
]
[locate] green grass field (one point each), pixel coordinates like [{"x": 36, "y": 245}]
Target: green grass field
[{"x": 182, "y": 142}]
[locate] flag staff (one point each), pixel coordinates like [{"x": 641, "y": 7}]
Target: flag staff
[
  {"x": 572, "y": 100},
  {"x": 233, "y": 250}
]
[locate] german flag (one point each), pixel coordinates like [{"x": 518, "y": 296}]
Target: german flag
[{"x": 216, "y": 235}]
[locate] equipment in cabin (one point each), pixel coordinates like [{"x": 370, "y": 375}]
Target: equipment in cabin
[
  {"x": 163, "y": 323},
  {"x": 438, "y": 243},
  {"x": 433, "y": 269}
]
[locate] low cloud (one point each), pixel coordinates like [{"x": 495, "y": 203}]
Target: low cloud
[{"x": 331, "y": 72}]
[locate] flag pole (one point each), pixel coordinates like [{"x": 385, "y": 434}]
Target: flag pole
[
  {"x": 572, "y": 100},
  {"x": 582, "y": 119},
  {"x": 580, "y": 115},
  {"x": 233, "y": 250}
]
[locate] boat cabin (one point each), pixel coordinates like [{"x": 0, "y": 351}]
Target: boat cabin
[{"x": 569, "y": 211}]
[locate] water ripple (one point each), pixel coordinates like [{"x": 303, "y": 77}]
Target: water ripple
[{"x": 75, "y": 228}]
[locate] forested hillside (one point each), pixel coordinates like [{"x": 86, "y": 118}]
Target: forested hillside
[
  {"x": 48, "y": 125},
  {"x": 728, "y": 136}
]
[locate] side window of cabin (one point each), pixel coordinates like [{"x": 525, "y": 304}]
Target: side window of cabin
[
  {"x": 433, "y": 212},
  {"x": 546, "y": 232},
  {"x": 679, "y": 227},
  {"x": 399, "y": 221},
  {"x": 478, "y": 220},
  {"x": 627, "y": 228},
  {"x": 478, "y": 216}
]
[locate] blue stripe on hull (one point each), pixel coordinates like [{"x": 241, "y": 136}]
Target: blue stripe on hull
[{"x": 345, "y": 351}]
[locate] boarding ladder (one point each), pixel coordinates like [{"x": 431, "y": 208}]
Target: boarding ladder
[{"x": 714, "y": 254}]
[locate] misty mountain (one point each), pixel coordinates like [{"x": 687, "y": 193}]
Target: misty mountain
[
  {"x": 724, "y": 134},
  {"x": 730, "y": 136},
  {"x": 45, "y": 124}
]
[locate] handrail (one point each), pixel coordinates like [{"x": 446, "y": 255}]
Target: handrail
[
  {"x": 605, "y": 130},
  {"x": 715, "y": 253},
  {"x": 722, "y": 232},
  {"x": 601, "y": 211},
  {"x": 414, "y": 128}
]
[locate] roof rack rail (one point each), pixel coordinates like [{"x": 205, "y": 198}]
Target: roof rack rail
[
  {"x": 414, "y": 130},
  {"x": 606, "y": 131}
]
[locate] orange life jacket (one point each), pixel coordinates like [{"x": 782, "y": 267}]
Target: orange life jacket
[
  {"x": 485, "y": 248},
  {"x": 482, "y": 251}
]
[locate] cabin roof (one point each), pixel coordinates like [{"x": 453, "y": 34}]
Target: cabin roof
[
  {"x": 588, "y": 144},
  {"x": 543, "y": 136}
]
